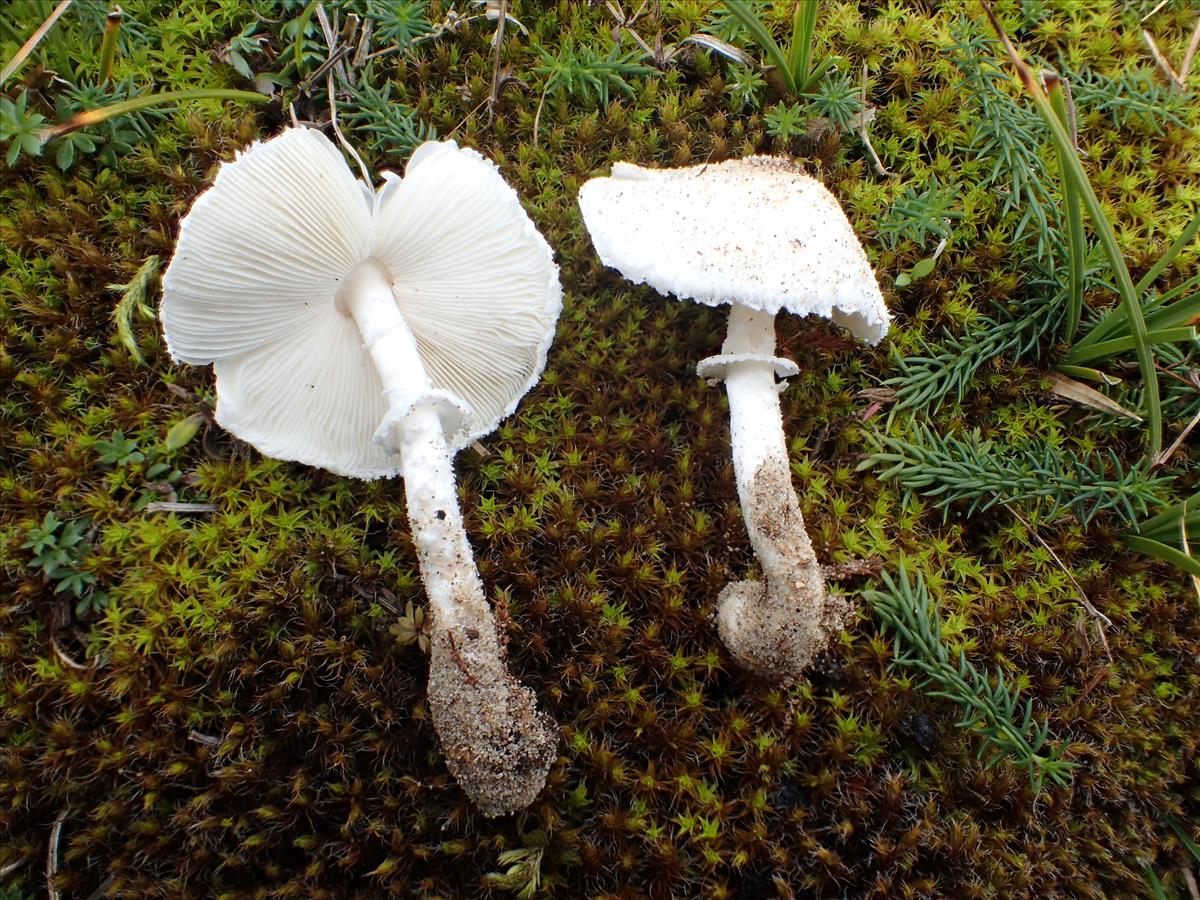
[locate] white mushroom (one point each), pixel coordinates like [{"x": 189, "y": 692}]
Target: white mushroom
[
  {"x": 762, "y": 236},
  {"x": 374, "y": 334}
]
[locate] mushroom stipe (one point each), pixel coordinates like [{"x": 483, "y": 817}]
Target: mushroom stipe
[
  {"x": 776, "y": 627},
  {"x": 497, "y": 744}
]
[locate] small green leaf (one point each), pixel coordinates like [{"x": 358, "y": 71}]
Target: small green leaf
[
  {"x": 923, "y": 268},
  {"x": 65, "y": 155},
  {"x": 182, "y": 432}
]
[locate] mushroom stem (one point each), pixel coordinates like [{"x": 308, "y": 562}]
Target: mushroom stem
[
  {"x": 775, "y": 628},
  {"x": 367, "y": 298},
  {"x": 497, "y": 744}
]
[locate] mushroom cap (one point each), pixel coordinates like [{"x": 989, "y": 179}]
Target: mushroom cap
[
  {"x": 260, "y": 258},
  {"x": 756, "y": 231}
]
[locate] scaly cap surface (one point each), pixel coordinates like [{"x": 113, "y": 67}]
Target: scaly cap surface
[{"x": 756, "y": 231}]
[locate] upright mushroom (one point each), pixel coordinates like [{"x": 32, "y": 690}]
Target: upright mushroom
[
  {"x": 762, "y": 236},
  {"x": 375, "y": 333}
]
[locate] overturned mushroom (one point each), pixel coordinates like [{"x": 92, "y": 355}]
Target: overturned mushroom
[
  {"x": 374, "y": 334},
  {"x": 762, "y": 236}
]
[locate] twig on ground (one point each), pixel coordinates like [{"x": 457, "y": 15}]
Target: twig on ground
[
  {"x": 1099, "y": 619},
  {"x": 856, "y": 568},
  {"x": 52, "y": 855},
  {"x": 863, "y": 135},
  {"x": 1190, "y": 55},
  {"x": 1187, "y": 551},
  {"x": 1175, "y": 445},
  {"x": 1178, "y": 79},
  {"x": 335, "y": 56},
  {"x": 66, "y": 658},
  {"x": 1190, "y": 880},
  {"x": 167, "y": 506},
  {"x": 5, "y": 871},
  {"x": 1161, "y": 61},
  {"x": 497, "y": 42}
]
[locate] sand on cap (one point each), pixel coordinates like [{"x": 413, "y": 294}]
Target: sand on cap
[{"x": 756, "y": 231}]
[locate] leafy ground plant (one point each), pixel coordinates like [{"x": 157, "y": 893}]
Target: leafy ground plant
[
  {"x": 981, "y": 474},
  {"x": 585, "y": 73},
  {"x": 796, "y": 65},
  {"x": 59, "y": 550},
  {"x": 1141, "y": 323},
  {"x": 989, "y": 708}
]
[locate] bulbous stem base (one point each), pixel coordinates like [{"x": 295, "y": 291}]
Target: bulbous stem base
[{"x": 497, "y": 744}]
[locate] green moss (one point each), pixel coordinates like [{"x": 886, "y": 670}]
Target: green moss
[{"x": 242, "y": 719}]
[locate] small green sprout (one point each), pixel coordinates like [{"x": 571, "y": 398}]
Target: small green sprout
[
  {"x": 119, "y": 451},
  {"x": 59, "y": 549},
  {"x": 524, "y": 872},
  {"x": 412, "y": 628},
  {"x": 786, "y": 121},
  {"x": 398, "y": 24},
  {"x": 585, "y": 74}
]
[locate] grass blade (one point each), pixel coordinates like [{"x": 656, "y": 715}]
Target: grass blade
[
  {"x": 1185, "y": 312},
  {"x": 1106, "y": 235},
  {"x": 1159, "y": 312},
  {"x": 34, "y": 39},
  {"x": 741, "y": 11},
  {"x": 1060, "y": 99},
  {"x": 1088, "y": 374},
  {"x": 1161, "y": 551},
  {"x": 719, "y": 46},
  {"x": 1105, "y": 349},
  {"x": 1115, "y": 319},
  {"x": 1184, "y": 838},
  {"x": 89, "y": 117},
  {"x": 804, "y": 26},
  {"x": 1185, "y": 238},
  {"x": 1156, "y": 888},
  {"x": 1166, "y": 522}
]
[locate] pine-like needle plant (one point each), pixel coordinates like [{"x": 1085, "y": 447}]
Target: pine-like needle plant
[
  {"x": 977, "y": 471},
  {"x": 992, "y": 711}
]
